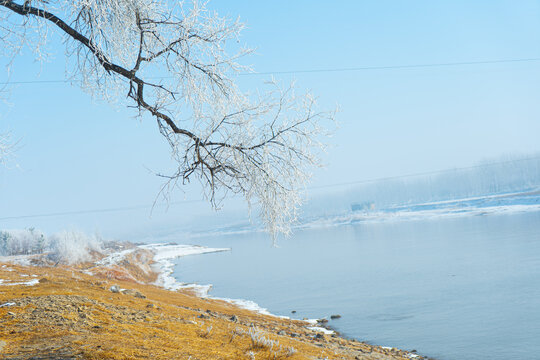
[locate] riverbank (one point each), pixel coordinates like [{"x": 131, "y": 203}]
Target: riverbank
[{"x": 108, "y": 310}]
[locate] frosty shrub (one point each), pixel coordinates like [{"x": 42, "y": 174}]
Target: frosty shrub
[
  {"x": 259, "y": 341},
  {"x": 73, "y": 246}
]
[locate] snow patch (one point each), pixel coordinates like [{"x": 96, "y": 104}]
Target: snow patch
[
  {"x": 27, "y": 283},
  {"x": 249, "y": 305},
  {"x": 246, "y": 304},
  {"x": 114, "y": 258},
  {"x": 87, "y": 272},
  {"x": 23, "y": 260},
  {"x": 172, "y": 251},
  {"x": 321, "y": 329}
]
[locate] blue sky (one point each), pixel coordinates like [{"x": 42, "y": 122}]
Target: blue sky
[{"x": 75, "y": 153}]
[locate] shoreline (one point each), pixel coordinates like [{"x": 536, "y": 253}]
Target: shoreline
[{"x": 135, "y": 273}]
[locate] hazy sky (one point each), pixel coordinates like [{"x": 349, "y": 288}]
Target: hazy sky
[{"x": 77, "y": 154}]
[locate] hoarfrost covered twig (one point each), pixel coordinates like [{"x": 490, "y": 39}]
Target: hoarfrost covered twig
[{"x": 6, "y": 148}]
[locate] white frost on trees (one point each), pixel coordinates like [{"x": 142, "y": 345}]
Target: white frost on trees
[
  {"x": 66, "y": 246},
  {"x": 178, "y": 62}
]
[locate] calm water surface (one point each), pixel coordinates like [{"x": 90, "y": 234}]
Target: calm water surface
[{"x": 466, "y": 288}]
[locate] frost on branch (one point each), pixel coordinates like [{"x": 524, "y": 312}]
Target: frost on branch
[
  {"x": 178, "y": 64},
  {"x": 6, "y": 148}
]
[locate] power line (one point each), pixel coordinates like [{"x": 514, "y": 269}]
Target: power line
[
  {"x": 359, "y": 182},
  {"x": 395, "y": 67},
  {"x": 94, "y": 211},
  {"x": 307, "y": 71}
]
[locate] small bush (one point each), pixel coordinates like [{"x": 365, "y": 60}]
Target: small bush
[
  {"x": 73, "y": 246},
  {"x": 258, "y": 341},
  {"x": 205, "y": 334}
]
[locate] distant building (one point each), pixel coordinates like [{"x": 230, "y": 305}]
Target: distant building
[{"x": 364, "y": 206}]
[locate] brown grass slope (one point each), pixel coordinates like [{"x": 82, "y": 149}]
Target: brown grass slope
[{"x": 72, "y": 315}]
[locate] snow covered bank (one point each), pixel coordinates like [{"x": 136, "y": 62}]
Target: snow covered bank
[
  {"x": 248, "y": 305},
  {"x": 321, "y": 330},
  {"x": 164, "y": 253},
  {"x": 123, "y": 260},
  {"x": 503, "y": 204}
]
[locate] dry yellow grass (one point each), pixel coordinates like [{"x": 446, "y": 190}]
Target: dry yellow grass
[{"x": 70, "y": 314}]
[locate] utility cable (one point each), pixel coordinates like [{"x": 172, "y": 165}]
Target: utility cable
[{"x": 328, "y": 70}]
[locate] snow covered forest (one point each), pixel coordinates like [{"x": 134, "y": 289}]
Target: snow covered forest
[
  {"x": 69, "y": 246},
  {"x": 506, "y": 175}
]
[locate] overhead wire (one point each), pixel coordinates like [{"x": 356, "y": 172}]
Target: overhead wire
[
  {"x": 307, "y": 71},
  {"x": 435, "y": 172}
]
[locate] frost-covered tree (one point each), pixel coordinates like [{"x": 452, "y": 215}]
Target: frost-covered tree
[{"x": 177, "y": 62}]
